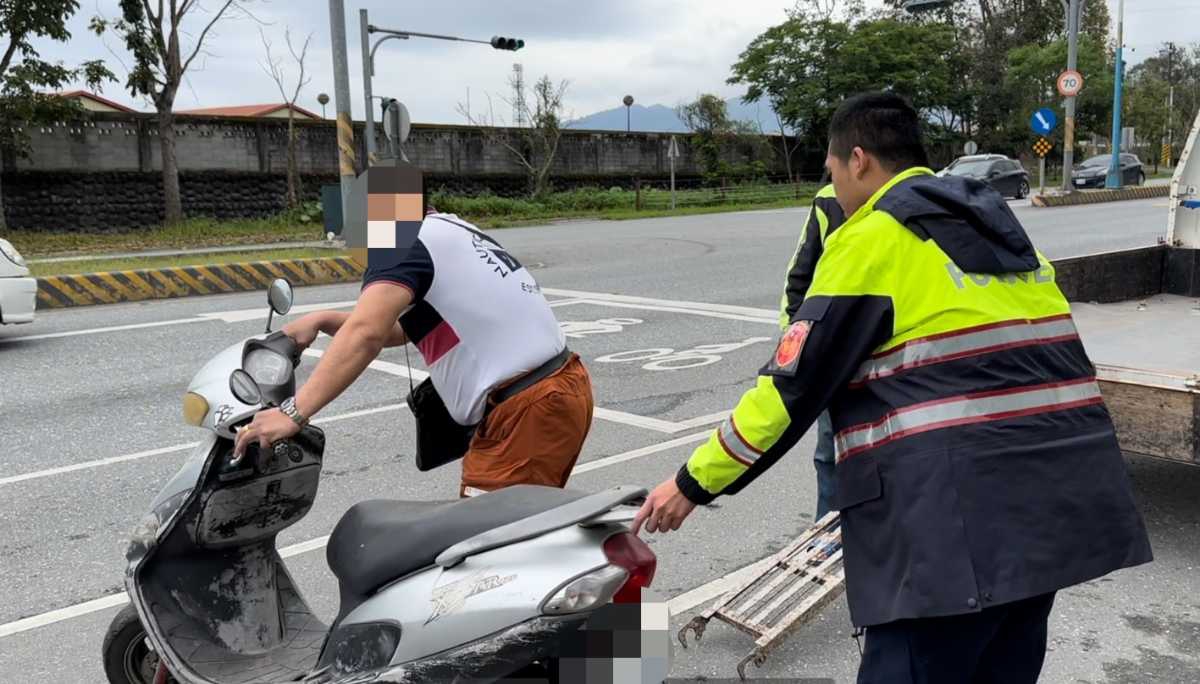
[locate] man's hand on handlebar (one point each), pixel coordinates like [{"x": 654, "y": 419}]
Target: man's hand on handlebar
[
  {"x": 305, "y": 329},
  {"x": 269, "y": 426}
]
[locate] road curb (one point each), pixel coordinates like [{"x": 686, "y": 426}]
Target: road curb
[
  {"x": 1097, "y": 196},
  {"x": 114, "y": 287}
]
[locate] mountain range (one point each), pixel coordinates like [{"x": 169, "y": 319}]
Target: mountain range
[{"x": 659, "y": 118}]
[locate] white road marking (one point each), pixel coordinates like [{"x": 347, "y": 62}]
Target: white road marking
[
  {"x": 87, "y": 465},
  {"x": 701, "y": 421},
  {"x": 726, "y": 311},
  {"x": 637, "y": 453},
  {"x": 384, "y": 366},
  {"x": 13, "y": 479},
  {"x": 674, "y": 304},
  {"x": 716, "y": 588},
  {"x": 93, "y": 331},
  {"x": 114, "y": 600},
  {"x": 260, "y": 312},
  {"x": 635, "y": 420}
]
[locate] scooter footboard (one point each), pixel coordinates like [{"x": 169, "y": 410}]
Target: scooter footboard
[{"x": 235, "y": 621}]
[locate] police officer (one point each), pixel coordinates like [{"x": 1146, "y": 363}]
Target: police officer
[
  {"x": 977, "y": 467},
  {"x": 824, "y": 217}
]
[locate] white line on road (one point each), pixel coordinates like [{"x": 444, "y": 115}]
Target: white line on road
[
  {"x": 637, "y": 453},
  {"x": 690, "y": 307},
  {"x": 716, "y": 588},
  {"x": 114, "y": 600},
  {"x": 92, "y": 331},
  {"x": 86, "y": 465}
]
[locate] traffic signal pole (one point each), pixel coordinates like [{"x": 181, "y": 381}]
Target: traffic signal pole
[
  {"x": 1114, "y": 167},
  {"x": 1071, "y": 7}
]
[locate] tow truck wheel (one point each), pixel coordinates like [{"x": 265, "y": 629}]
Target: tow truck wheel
[{"x": 128, "y": 658}]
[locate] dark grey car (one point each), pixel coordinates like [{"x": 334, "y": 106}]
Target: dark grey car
[
  {"x": 1093, "y": 172},
  {"x": 1005, "y": 175}
]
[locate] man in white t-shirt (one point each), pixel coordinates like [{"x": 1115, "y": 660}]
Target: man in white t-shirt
[{"x": 495, "y": 352}]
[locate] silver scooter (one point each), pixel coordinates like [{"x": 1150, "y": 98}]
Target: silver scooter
[{"x": 472, "y": 589}]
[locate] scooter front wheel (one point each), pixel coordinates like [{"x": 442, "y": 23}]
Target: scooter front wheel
[{"x": 128, "y": 658}]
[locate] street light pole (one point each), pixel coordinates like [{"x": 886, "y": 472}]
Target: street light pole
[
  {"x": 1114, "y": 167},
  {"x": 341, "y": 94},
  {"x": 1071, "y": 7},
  {"x": 628, "y": 101},
  {"x": 368, "y": 71}
]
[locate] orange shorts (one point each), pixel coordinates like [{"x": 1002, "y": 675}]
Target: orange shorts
[{"x": 535, "y": 436}]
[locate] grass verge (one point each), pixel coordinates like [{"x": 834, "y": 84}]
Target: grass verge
[
  {"x": 96, "y": 265},
  {"x": 192, "y": 233}
]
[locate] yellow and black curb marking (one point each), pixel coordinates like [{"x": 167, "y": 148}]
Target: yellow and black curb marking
[
  {"x": 1097, "y": 196},
  {"x": 112, "y": 287}
]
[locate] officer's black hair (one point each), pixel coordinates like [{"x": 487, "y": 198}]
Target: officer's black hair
[{"x": 882, "y": 124}]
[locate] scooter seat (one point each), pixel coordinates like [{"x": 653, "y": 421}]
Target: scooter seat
[{"x": 380, "y": 540}]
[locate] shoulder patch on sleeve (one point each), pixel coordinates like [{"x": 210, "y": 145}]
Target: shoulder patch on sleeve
[{"x": 787, "y": 354}]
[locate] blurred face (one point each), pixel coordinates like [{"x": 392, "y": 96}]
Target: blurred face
[{"x": 849, "y": 178}]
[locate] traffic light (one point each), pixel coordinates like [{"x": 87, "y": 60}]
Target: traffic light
[{"x": 502, "y": 43}]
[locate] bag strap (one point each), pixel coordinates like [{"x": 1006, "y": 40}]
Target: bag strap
[{"x": 408, "y": 367}]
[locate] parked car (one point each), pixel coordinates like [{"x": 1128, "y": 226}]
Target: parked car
[
  {"x": 1005, "y": 175},
  {"x": 1093, "y": 172},
  {"x": 18, "y": 292}
]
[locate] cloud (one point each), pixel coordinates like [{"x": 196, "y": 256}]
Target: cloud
[{"x": 661, "y": 51}]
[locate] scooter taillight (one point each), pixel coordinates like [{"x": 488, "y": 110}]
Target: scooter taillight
[{"x": 625, "y": 550}]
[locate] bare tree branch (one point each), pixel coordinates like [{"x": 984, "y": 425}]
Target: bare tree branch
[{"x": 200, "y": 41}]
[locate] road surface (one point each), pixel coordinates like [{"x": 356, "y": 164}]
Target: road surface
[{"x": 90, "y": 429}]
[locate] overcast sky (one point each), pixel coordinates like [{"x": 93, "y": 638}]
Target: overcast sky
[{"x": 659, "y": 51}]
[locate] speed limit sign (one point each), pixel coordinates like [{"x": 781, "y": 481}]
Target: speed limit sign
[{"x": 1070, "y": 82}]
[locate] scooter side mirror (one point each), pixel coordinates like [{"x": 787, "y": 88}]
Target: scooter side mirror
[
  {"x": 244, "y": 388},
  {"x": 280, "y": 296}
]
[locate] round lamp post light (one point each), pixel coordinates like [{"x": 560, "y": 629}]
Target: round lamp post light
[{"x": 628, "y": 100}]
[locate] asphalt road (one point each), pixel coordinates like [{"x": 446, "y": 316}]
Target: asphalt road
[{"x": 90, "y": 429}]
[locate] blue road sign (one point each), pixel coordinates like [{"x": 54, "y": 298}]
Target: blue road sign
[{"x": 1043, "y": 121}]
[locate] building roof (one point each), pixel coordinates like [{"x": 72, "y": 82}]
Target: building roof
[
  {"x": 96, "y": 98},
  {"x": 247, "y": 110}
]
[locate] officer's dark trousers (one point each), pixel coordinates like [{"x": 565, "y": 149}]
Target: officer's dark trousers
[{"x": 1002, "y": 644}]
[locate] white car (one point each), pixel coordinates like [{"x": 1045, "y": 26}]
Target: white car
[{"x": 18, "y": 292}]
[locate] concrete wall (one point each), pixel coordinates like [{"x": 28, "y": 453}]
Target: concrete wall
[
  {"x": 104, "y": 173},
  {"x": 122, "y": 142}
]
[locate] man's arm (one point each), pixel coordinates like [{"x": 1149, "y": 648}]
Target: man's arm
[
  {"x": 837, "y": 327},
  {"x": 305, "y": 329},
  {"x": 358, "y": 340}
]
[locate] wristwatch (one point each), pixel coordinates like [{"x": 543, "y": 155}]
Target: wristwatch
[{"x": 288, "y": 407}]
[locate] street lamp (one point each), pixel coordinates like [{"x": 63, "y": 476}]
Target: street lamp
[
  {"x": 915, "y": 6},
  {"x": 368, "y": 58},
  {"x": 323, "y": 99},
  {"x": 628, "y": 100},
  {"x": 1113, "y": 181}
]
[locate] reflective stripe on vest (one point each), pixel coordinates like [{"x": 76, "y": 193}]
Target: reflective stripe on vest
[
  {"x": 982, "y": 339},
  {"x": 965, "y": 409},
  {"x": 735, "y": 445}
]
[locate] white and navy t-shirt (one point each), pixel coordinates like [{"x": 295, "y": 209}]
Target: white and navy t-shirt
[{"x": 478, "y": 317}]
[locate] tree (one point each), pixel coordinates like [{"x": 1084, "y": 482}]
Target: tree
[
  {"x": 807, "y": 65},
  {"x": 275, "y": 70},
  {"x": 155, "y": 41},
  {"x": 534, "y": 146},
  {"x": 1145, "y": 96},
  {"x": 23, "y": 81},
  {"x": 713, "y": 132}
]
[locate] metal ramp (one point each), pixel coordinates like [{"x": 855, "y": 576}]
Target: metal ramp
[{"x": 801, "y": 580}]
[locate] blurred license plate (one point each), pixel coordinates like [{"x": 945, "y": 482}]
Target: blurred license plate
[{"x": 1079, "y": 181}]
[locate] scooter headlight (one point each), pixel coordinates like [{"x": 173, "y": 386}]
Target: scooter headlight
[
  {"x": 586, "y": 592},
  {"x": 11, "y": 253},
  {"x": 195, "y": 407},
  {"x": 268, "y": 368}
]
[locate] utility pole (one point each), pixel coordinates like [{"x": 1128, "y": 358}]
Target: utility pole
[
  {"x": 368, "y": 71},
  {"x": 1071, "y": 7},
  {"x": 341, "y": 95},
  {"x": 1170, "y": 103},
  {"x": 1114, "y": 167},
  {"x": 518, "y": 84}
]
